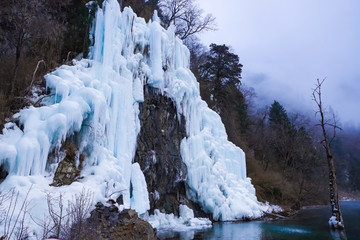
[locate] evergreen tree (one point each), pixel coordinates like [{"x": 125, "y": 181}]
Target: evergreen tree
[
  {"x": 278, "y": 115},
  {"x": 77, "y": 31},
  {"x": 220, "y": 73},
  {"x": 222, "y": 68}
]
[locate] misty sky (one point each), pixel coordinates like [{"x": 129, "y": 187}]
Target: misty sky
[{"x": 285, "y": 45}]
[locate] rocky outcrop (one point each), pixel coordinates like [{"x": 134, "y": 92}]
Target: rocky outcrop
[
  {"x": 109, "y": 223},
  {"x": 159, "y": 156},
  {"x": 68, "y": 170}
]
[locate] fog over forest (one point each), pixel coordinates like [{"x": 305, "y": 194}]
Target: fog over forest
[{"x": 285, "y": 46}]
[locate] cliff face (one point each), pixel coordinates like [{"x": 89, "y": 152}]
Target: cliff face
[{"x": 158, "y": 151}]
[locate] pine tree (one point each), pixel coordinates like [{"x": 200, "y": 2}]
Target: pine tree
[
  {"x": 222, "y": 68},
  {"x": 221, "y": 73},
  {"x": 278, "y": 115}
]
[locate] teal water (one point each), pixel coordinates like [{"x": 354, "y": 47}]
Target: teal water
[{"x": 311, "y": 224}]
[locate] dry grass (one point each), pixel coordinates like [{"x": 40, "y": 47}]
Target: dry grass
[{"x": 271, "y": 185}]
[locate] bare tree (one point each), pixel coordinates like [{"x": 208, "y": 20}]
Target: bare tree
[
  {"x": 186, "y": 16},
  {"x": 78, "y": 211},
  {"x": 14, "y": 217},
  {"x": 57, "y": 214},
  {"x": 329, "y": 127},
  {"x": 69, "y": 222},
  {"x": 16, "y": 27},
  {"x": 23, "y": 21}
]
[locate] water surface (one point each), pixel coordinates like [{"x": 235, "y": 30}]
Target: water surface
[{"x": 310, "y": 223}]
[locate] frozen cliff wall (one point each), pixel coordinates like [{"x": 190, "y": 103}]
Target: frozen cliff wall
[
  {"x": 158, "y": 151},
  {"x": 98, "y": 99}
]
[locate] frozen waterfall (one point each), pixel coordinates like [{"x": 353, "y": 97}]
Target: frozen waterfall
[{"x": 98, "y": 99}]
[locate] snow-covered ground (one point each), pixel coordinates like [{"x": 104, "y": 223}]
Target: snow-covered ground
[
  {"x": 98, "y": 99},
  {"x": 186, "y": 221}
]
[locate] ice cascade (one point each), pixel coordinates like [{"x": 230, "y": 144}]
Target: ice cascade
[{"x": 98, "y": 99}]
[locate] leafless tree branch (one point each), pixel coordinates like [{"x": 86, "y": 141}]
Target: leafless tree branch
[
  {"x": 186, "y": 16},
  {"x": 325, "y": 123}
]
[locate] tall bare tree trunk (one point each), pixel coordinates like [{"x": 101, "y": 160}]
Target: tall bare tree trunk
[
  {"x": 336, "y": 220},
  {"x": 16, "y": 69},
  {"x": 334, "y": 197}
]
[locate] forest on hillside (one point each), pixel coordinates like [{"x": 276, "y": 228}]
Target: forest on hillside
[{"x": 284, "y": 155}]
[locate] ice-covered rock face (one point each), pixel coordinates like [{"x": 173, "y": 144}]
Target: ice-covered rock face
[
  {"x": 99, "y": 98},
  {"x": 158, "y": 151}
]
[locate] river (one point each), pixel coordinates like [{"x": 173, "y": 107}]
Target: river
[{"x": 310, "y": 223}]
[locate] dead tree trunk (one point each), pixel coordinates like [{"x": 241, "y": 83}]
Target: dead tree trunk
[{"x": 336, "y": 220}]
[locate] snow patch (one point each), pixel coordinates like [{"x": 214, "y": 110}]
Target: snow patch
[
  {"x": 186, "y": 221},
  {"x": 334, "y": 223}
]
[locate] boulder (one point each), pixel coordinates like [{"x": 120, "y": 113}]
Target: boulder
[{"x": 106, "y": 222}]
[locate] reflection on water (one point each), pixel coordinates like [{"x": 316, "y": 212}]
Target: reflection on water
[
  {"x": 309, "y": 224},
  {"x": 339, "y": 235},
  {"x": 246, "y": 230}
]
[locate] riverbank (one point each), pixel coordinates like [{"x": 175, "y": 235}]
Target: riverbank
[{"x": 346, "y": 195}]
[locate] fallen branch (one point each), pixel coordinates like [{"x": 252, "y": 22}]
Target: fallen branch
[{"x": 39, "y": 100}]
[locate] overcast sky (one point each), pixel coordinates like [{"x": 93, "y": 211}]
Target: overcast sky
[{"x": 285, "y": 45}]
